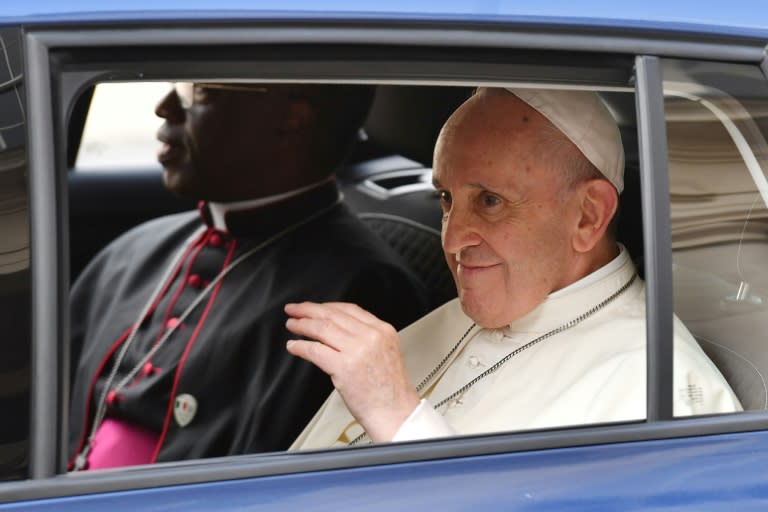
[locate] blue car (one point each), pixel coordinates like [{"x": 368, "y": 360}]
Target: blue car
[{"x": 688, "y": 86}]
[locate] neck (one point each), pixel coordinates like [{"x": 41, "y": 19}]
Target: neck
[
  {"x": 219, "y": 210},
  {"x": 597, "y": 270},
  {"x": 266, "y": 216},
  {"x": 589, "y": 262}
]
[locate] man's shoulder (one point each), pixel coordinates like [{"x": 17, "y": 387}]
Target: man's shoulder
[
  {"x": 159, "y": 235},
  {"x": 343, "y": 227},
  {"x": 158, "y": 228},
  {"x": 345, "y": 239}
]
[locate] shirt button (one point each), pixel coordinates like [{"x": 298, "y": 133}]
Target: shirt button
[
  {"x": 172, "y": 323},
  {"x": 195, "y": 281},
  {"x": 112, "y": 397},
  {"x": 148, "y": 369},
  {"x": 473, "y": 362},
  {"x": 215, "y": 240}
]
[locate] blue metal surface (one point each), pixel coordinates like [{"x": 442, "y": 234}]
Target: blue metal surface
[
  {"x": 680, "y": 14},
  {"x": 714, "y": 473}
]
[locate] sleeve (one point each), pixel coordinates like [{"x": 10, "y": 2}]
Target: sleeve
[{"x": 423, "y": 423}]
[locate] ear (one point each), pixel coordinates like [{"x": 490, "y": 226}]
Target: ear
[
  {"x": 597, "y": 202},
  {"x": 298, "y": 116}
]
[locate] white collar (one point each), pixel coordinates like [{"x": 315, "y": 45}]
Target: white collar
[
  {"x": 595, "y": 276},
  {"x": 219, "y": 210}
]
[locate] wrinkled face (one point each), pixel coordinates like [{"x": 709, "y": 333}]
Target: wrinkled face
[
  {"x": 506, "y": 224},
  {"x": 222, "y": 143}
]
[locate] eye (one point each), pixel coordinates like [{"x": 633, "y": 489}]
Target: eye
[
  {"x": 489, "y": 200},
  {"x": 444, "y": 196}
]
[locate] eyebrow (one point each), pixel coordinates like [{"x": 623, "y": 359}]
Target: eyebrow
[{"x": 436, "y": 183}]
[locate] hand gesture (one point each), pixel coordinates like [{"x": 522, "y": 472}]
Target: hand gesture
[{"x": 362, "y": 356}]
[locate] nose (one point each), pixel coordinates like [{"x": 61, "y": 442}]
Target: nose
[
  {"x": 459, "y": 230},
  {"x": 169, "y": 107}
]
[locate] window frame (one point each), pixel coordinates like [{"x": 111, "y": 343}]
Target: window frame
[
  {"x": 45, "y": 57},
  {"x": 654, "y": 190}
]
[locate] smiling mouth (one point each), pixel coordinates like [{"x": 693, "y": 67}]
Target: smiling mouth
[{"x": 463, "y": 269}]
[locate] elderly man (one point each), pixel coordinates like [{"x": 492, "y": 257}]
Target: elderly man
[
  {"x": 181, "y": 319},
  {"x": 549, "y": 326}
]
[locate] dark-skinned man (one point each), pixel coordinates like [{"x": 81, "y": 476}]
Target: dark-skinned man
[{"x": 181, "y": 319}]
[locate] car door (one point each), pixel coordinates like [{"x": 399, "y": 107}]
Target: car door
[{"x": 692, "y": 463}]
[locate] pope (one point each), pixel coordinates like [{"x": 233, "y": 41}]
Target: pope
[{"x": 549, "y": 325}]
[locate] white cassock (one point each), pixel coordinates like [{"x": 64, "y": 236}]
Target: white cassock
[{"x": 593, "y": 372}]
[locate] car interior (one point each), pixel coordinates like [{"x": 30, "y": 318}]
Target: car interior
[{"x": 386, "y": 180}]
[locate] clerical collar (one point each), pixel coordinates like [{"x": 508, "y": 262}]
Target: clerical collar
[
  {"x": 595, "y": 276},
  {"x": 266, "y": 215}
]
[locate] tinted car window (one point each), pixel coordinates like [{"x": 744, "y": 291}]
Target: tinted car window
[
  {"x": 717, "y": 122},
  {"x": 14, "y": 264}
]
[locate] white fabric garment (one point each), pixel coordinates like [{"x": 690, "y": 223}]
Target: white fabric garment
[{"x": 594, "y": 372}]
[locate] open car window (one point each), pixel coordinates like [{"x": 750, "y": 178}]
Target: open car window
[
  {"x": 386, "y": 181},
  {"x": 119, "y": 131}
]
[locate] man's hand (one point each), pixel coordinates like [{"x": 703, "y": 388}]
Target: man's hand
[{"x": 362, "y": 355}]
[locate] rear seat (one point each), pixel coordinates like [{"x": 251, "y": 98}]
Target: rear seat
[{"x": 395, "y": 198}]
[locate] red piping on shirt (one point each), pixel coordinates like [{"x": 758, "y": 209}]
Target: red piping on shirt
[
  {"x": 187, "y": 350},
  {"x": 172, "y": 277},
  {"x": 86, "y": 422},
  {"x": 120, "y": 340},
  {"x": 183, "y": 284}
]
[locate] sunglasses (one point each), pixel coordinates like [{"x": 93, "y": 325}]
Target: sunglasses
[{"x": 189, "y": 92}]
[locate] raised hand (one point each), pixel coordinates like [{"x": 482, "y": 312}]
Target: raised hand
[{"x": 362, "y": 356}]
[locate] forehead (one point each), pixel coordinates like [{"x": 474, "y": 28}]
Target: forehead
[{"x": 496, "y": 137}]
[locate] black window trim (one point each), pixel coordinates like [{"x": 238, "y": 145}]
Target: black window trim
[{"x": 49, "y": 239}]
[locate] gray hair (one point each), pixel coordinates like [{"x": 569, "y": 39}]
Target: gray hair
[{"x": 569, "y": 162}]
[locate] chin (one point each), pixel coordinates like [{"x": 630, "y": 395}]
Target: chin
[
  {"x": 480, "y": 312},
  {"x": 175, "y": 183}
]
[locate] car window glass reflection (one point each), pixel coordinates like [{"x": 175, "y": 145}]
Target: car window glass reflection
[
  {"x": 14, "y": 264},
  {"x": 718, "y": 159}
]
